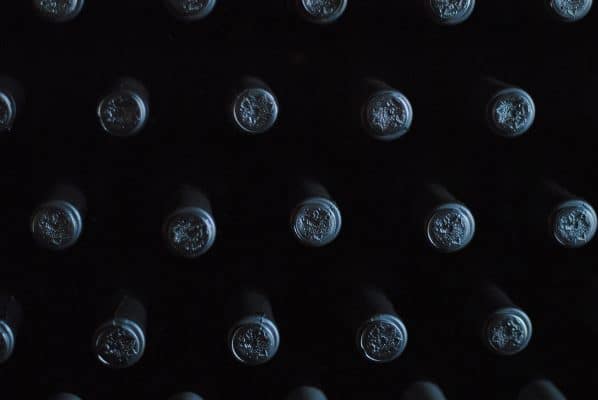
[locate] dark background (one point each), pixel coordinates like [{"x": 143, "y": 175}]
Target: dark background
[{"x": 314, "y": 71}]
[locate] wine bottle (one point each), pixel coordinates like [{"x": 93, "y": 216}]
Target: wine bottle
[
  {"x": 12, "y": 99},
  {"x": 449, "y": 12},
  {"x": 320, "y": 11},
  {"x": 57, "y": 223},
  {"x": 380, "y": 333},
  {"x": 253, "y": 337},
  {"x": 58, "y": 10},
  {"x": 120, "y": 340},
  {"x": 254, "y": 106},
  {"x": 190, "y": 10},
  {"x": 510, "y": 111},
  {"x": 569, "y": 10},
  {"x": 306, "y": 393},
  {"x": 505, "y": 328},
  {"x": 11, "y": 315},
  {"x": 386, "y": 113},
  {"x": 189, "y": 228},
  {"x": 64, "y": 396},
  {"x": 449, "y": 225},
  {"x": 185, "y": 396},
  {"x": 541, "y": 390},
  {"x": 571, "y": 220},
  {"x": 316, "y": 219},
  {"x": 124, "y": 111},
  {"x": 423, "y": 391}
]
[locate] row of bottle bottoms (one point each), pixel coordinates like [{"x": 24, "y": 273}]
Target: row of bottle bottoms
[
  {"x": 423, "y": 390},
  {"x": 368, "y": 317},
  {"x": 189, "y": 227},
  {"x": 443, "y": 12},
  {"x": 386, "y": 113}
]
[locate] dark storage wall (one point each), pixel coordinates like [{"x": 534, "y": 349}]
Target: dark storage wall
[{"x": 188, "y": 69}]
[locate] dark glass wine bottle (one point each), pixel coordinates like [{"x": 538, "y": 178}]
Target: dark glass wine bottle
[
  {"x": 190, "y": 10},
  {"x": 505, "y": 328},
  {"x": 120, "y": 340},
  {"x": 12, "y": 98},
  {"x": 11, "y": 315},
  {"x": 58, "y": 10},
  {"x": 57, "y": 223},
  {"x": 315, "y": 219},
  {"x": 386, "y": 113},
  {"x": 320, "y": 11},
  {"x": 423, "y": 391},
  {"x": 189, "y": 228},
  {"x": 253, "y": 337},
  {"x": 124, "y": 110},
  {"x": 541, "y": 390},
  {"x": 449, "y": 12},
  {"x": 254, "y": 106},
  {"x": 380, "y": 334},
  {"x": 306, "y": 393}
]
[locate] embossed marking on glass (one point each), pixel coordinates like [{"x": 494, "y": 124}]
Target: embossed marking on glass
[
  {"x": 58, "y": 10},
  {"x": 387, "y": 115},
  {"x": 122, "y": 113},
  {"x": 254, "y": 340},
  {"x": 191, "y": 9},
  {"x": 316, "y": 221},
  {"x": 56, "y": 225},
  {"x": 574, "y": 223},
  {"x": 119, "y": 343},
  {"x": 571, "y": 10},
  {"x": 508, "y": 331},
  {"x": 450, "y": 227},
  {"x": 255, "y": 110},
  {"x": 323, "y": 11},
  {"x": 451, "y": 12},
  {"x": 382, "y": 338},
  {"x": 511, "y": 112},
  {"x": 190, "y": 232}
]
